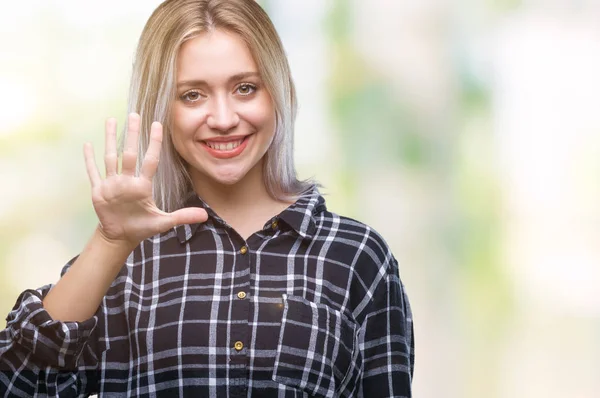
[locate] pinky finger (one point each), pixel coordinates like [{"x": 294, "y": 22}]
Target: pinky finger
[{"x": 90, "y": 165}]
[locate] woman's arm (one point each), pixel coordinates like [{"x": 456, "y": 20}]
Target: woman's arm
[
  {"x": 79, "y": 292},
  {"x": 47, "y": 348},
  {"x": 387, "y": 341},
  {"x": 43, "y": 357},
  {"x": 127, "y": 213}
]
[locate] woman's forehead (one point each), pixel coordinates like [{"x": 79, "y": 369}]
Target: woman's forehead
[{"x": 214, "y": 56}]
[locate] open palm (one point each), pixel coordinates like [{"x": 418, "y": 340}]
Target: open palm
[{"x": 123, "y": 202}]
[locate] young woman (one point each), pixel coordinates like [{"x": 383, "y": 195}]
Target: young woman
[{"x": 214, "y": 272}]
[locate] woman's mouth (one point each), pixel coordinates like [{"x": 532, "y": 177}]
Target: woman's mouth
[
  {"x": 223, "y": 149},
  {"x": 224, "y": 146}
]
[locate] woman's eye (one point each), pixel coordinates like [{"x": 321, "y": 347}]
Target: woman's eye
[
  {"x": 191, "y": 96},
  {"x": 246, "y": 89}
]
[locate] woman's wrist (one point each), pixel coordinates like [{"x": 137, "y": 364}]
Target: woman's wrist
[{"x": 118, "y": 246}]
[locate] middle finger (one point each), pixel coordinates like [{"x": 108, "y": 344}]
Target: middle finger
[{"x": 130, "y": 149}]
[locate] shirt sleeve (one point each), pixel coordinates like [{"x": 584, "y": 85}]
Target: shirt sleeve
[
  {"x": 387, "y": 342},
  {"x": 42, "y": 357}
]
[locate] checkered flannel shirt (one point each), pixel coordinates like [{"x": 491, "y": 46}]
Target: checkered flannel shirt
[{"x": 311, "y": 305}]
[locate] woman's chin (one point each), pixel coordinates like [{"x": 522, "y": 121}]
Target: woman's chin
[
  {"x": 228, "y": 178},
  {"x": 227, "y": 174}
]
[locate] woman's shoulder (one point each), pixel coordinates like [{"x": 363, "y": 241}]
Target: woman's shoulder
[{"x": 356, "y": 236}]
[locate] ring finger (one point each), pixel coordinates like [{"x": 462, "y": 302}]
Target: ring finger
[{"x": 110, "y": 151}]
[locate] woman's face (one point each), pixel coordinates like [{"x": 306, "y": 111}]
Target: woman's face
[{"x": 223, "y": 116}]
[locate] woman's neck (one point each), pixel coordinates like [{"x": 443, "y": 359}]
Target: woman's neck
[{"x": 245, "y": 205}]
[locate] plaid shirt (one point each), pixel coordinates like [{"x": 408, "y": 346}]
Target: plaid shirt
[{"x": 311, "y": 305}]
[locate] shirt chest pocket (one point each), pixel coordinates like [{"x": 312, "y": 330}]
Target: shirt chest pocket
[{"x": 317, "y": 350}]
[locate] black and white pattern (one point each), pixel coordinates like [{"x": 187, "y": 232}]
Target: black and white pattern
[{"x": 311, "y": 305}]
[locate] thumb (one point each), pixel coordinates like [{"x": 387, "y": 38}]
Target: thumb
[{"x": 189, "y": 215}]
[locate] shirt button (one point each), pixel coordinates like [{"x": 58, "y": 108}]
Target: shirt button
[
  {"x": 244, "y": 250},
  {"x": 238, "y": 345},
  {"x": 274, "y": 224},
  {"x": 242, "y": 295}
]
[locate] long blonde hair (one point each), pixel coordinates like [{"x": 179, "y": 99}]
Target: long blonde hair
[{"x": 153, "y": 89}]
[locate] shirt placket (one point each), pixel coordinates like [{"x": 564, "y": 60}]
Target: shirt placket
[{"x": 240, "y": 331}]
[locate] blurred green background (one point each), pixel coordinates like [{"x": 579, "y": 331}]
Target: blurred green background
[{"x": 467, "y": 133}]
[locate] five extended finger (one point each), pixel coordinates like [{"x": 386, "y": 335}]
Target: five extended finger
[
  {"x": 152, "y": 156},
  {"x": 90, "y": 165},
  {"x": 130, "y": 149},
  {"x": 110, "y": 153}
]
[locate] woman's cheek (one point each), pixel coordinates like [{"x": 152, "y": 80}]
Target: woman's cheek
[
  {"x": 188, "y": 120},
  {"x": 261, "y": 114}
]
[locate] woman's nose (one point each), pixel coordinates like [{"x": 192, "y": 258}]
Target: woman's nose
[{"x": 222, "y": 115}]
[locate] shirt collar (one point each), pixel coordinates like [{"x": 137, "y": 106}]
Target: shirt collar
[
  {"x": 186, "y": 231},
  {"x": 300, "y": 216}
]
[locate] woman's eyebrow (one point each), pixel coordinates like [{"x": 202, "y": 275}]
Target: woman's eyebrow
[{"x": 198, "y": 82}]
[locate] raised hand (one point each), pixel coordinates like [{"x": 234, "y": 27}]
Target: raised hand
[{"x": 123, "y": 202}]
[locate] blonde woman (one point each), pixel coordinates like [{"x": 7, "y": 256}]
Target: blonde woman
[{"x": 214, "y": 272}]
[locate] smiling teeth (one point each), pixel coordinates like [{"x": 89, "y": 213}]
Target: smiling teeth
[{"x": 224, "y": 146}]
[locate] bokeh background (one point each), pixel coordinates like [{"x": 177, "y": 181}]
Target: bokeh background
[{"x": 466, "y": 132}]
